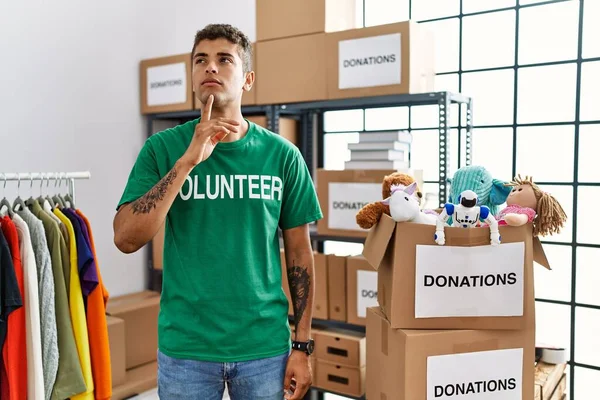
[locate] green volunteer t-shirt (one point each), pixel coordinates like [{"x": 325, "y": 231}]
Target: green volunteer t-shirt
[{"x": 222, "y": 296}]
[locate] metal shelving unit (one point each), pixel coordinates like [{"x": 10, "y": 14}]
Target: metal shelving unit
[{"x": 310, "y": 116}]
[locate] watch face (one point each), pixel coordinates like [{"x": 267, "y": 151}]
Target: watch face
[{"x": 310, "y": 347}]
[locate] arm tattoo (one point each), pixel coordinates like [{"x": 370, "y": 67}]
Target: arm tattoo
[
  {"x": 147, "y": 202},
  {"x": 299, "y": 281}
]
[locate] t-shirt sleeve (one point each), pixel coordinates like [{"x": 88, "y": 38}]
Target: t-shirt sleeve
[
  {"x": 143, "y": 176},
  {"x": 300, "y": 204}
]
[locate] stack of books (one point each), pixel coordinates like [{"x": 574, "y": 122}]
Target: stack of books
[{"x": 380, "y": 150}]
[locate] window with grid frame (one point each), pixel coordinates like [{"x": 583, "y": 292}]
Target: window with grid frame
[{"x": 532, "y": 68}]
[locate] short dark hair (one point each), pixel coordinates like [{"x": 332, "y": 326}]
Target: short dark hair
[{"x": 231, "y": 33}]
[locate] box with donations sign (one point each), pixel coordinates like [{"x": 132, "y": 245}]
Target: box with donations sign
[
  {"x": 361, "y": 289},
  {"x": 380, "y": 60},
  {"x": 465, "y": 284},
  {"x": 166, "y": 84},
  {"x": 343, "y": 193},
  {"x": 429, "y": 364}
]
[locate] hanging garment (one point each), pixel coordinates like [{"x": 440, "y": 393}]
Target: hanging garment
[
  {"x": 14, "y": 353},
  {"x": 85, "y": 259},
  {"x": 65, "y": 255},
  {"x": 47, "y": 299},
  {"x": 35, "y": 372},
  {"x": 96, "y": 320},
  {"x": 78, "y": 314},
  {"x": 69, "y": 378},
  {"x": 10, "y": 301}
]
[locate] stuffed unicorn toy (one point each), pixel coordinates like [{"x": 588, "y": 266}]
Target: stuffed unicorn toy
[{"x": 404, "y": 206}]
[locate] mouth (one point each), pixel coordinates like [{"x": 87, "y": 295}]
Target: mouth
[{"x": 211, "y": 82}]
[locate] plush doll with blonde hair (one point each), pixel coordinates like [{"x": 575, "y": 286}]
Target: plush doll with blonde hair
[{"x": 527, "y": 203}]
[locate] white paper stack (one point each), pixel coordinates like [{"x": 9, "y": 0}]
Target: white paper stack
[{"x": 380, "y": 150}]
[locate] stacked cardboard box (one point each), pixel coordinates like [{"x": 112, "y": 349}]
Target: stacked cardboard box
[
  {"x": 340, "y": 358},
  {"x": 452, "y": 320},
  {"x": 133, "y": 336},
  {"x": 345, "y": 60}
]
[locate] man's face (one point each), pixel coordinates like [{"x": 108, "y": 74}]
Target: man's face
[{"x": 217, "y": 69}]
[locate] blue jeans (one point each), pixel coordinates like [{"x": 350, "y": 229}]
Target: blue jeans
[{"x": 250, "y": 380}]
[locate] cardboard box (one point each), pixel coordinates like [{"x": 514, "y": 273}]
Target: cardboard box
[
  {"x": 361, "y": 289},
  {"x": 465, "y": 284},
  {"x": 320, "y": 302},
  {"x": 444, "y": 364},
  {"x": 343, "y": 193},
  {"x": 140, "y": 313},
  {"x": 277, "y": 19},
  {"x": 292, "y": 78},
  {"x": 341, "y": 347},
  {"x": 380, "y": 60},
  {"x": 288, "y": 127},
  {"x": 116, "y": 343},
  {"x": 340, "y": 379},
  {"x": 166, "y": 84},
  {"x": 137, "y": 381},
  {"x": 336, "y": 287},
  {"x": 248, "y": 98}
]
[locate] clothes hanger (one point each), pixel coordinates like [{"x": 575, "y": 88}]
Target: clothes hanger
[
  {"x": 65, "y": 198},
  {"x": 4, "y": 203},
  {"x": 47, "y": 198},
  {"x": 18, "y": 203},
  {"x": 57, "y": 197}
]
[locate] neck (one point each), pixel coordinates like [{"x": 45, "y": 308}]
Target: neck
[{"x": 231, "y": 112}]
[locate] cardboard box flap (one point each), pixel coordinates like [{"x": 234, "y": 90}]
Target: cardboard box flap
[
  {"x": 378, "y": 239},
  {"x": 539, "y": 255}
]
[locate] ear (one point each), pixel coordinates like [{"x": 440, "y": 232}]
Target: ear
[
  {"x": 410, "y": 189},
  {"x": 499, "y": 192},
  {"x": 385, "y": 201}
]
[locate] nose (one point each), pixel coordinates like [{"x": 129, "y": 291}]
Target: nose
[{"x": 211, "y": 67}]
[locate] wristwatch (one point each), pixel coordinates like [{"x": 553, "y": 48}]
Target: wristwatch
[{"x": 307, "y": 347}]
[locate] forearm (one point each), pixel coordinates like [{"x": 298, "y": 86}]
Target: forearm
[
  {"x": 136, "y": 223},
  {"x": 300, "y": 270}
]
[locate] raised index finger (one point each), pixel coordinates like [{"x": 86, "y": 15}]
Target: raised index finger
[{"x": 208, "y": 108}]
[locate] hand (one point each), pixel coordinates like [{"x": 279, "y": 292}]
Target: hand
[
  {"x": 298, "y": 376},
  {"x": 515, "y": 219},
  {"x": 207, "y": 134}
]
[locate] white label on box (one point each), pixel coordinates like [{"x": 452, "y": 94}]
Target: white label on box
[
  {"x": 346, "y": 200},
  {"x": 370, "y": 61},
  {"x": 367, "y": 292},
  {"x": 166, "y": 84},
  {"x": 483, "y": 375},
  {"x": 478, "y": 281}
]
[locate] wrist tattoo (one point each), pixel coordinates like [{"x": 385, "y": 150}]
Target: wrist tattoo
[
  {"x": 147, "y": 202},
  {"x": 299, "y": 281}
]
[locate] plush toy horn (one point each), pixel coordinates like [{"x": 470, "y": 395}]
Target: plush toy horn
[{"x": 410, "y": 189}]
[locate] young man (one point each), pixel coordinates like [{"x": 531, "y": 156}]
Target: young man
[{"x": 224, "y": 186}]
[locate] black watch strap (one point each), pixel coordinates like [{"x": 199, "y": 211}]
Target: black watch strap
[{"x": 306, "y": 347}]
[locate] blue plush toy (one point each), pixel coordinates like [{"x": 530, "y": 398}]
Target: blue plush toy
[{"x": 490, "y": 192}]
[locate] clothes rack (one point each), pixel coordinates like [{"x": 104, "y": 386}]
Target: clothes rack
[{"x": 70, "y": 177}]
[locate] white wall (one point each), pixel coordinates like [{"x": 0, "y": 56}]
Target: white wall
[{"x": 69, "y": 97}]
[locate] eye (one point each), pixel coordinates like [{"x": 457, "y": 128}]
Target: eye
[
  {"x": 482, "y": 181},
  {"x": 405, "y": 198},
  {"x": 520, "y": 189},
  {"x": 225, "y": 59}
]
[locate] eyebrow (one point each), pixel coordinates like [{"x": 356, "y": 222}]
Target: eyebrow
[{"x": 219, "y": 54}]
